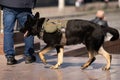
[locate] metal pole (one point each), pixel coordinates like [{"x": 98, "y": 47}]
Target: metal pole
[
  {"x": 0, "y": 19},
  {"x": 61, "y": 4},
  {"x": 119, "y": 3}
]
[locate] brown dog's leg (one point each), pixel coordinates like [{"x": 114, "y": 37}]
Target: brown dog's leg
[
  {"x": 90, "y": 61},
  {"x": 60, "y": 58},
  {"x": 107, "y": 56},
  {"x": 44, "y": 51}
]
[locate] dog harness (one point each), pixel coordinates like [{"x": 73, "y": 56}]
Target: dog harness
[{"x": 52, "y": 25}]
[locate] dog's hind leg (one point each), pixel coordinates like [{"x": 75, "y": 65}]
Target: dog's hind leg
[
  {"x": 60, "y": 51},
  {"x": 107, "y": 56},
  {"x": 90, "y": 61},
  {"x": 43, "y": 52}
]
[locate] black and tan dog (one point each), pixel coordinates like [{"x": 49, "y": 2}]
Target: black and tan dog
[{"x": 57, "y": 34}]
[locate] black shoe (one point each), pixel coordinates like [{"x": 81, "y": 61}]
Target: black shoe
[
  {"x": 30, "y": 59},
  {"x": 11, "y": 60}
]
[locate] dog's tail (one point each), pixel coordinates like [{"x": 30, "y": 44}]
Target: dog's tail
[{"x": 112, "y": 31}]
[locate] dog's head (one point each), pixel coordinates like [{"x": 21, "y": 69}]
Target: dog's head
[{"x": 33, "y": 25}]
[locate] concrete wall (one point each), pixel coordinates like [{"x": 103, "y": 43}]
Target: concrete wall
[{"x": 43, "y": 3}]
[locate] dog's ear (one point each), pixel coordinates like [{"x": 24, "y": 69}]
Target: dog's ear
[
  {"x": 42, "y": 20},
  {"x": 37, "y": 15}
]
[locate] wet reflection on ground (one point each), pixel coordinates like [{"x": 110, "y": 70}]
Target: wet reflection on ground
[{"x": 70, "y": 70}]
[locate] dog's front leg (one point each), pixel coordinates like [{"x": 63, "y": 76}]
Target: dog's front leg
[
  {"x": 60, "y": 58},
  {"x": 43, "y": 52}
]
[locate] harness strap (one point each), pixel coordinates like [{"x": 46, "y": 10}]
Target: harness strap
[{"x": 63, "y": 39}]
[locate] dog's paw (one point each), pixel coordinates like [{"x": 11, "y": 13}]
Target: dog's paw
[
  {"x": 53, "y": 67},
  {"x": 83, "y": 67},
  {"x": 44, "y": 61},
  {"x": 106, "y": 68}
]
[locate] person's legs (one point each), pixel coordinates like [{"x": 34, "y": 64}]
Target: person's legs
[
  {"x": 29, "y": 41},
  {"x": 9, "y": 22}
]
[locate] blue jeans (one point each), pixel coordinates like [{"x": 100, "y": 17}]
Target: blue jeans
[{"x": 10, "y": 15}]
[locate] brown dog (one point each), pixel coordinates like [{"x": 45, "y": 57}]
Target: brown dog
[{"x": 76, "y": 31}]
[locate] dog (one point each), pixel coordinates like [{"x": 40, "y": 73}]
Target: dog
[{"x": 70, "y": 32}]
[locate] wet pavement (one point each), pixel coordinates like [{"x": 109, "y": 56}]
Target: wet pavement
[{"x": 70, "y": 70}]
